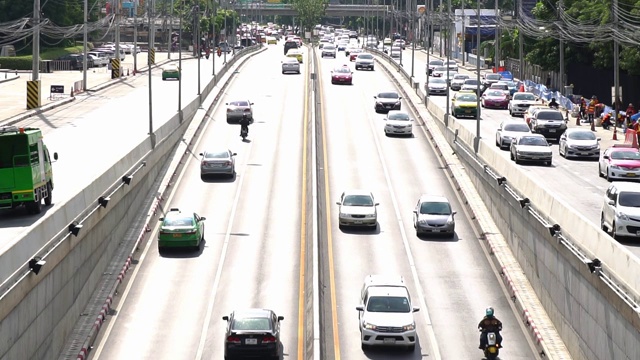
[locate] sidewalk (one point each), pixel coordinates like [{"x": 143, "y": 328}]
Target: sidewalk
[{"x": 13, "y": 91}]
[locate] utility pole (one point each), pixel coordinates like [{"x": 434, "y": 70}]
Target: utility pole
[
  {"x": 477, "y": 142},
  {"x": 36, "y": 42},
  {"x": 226, "y": 14},
  {"x": 616, "y": 69},
  {"x": 196, "y": 17},
  {"x": 520, "y": 46},
  {"x": 464, "y": 34},
  {"x": 85, "y": 38},
  {"x": 496, "y": 42},
  {"x": 560, "y": 8},
  {"x": 151, "y": 50},
  {"x": 448, "y": 48},
  {"x": 213, "y": 35}
]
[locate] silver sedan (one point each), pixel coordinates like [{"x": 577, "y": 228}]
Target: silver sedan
[
  {"x": 579, "y": 143},
  {"x": 357, "y": 208},
  {"x": 290, "y": 65},
  {"x": 237, "y": 109},
  {"x": 217, "y": 162},
  {"x": 433, "y": 214}
]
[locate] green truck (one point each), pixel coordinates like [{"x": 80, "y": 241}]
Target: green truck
[{"x": 26, "y": 177}]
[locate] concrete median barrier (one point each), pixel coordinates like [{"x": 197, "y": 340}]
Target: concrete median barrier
[{"x": 37, "y": 312}]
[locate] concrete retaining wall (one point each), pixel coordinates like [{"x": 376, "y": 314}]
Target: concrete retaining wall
[
  {"x": 591, "y": 318},
  {"x": 39, "y": 311}
]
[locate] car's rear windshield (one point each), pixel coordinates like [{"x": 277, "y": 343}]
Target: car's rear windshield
[
  {"x": 435, "y": 208},
  {"x": 399, "y": 116},
  {"x": 549, "y": 115},
  {"x": 216, "y": 155},
  {"x": 516, "y": 127},
  {"x": 357, "y": 200},
  {"x": 625, "y": 155},
  {"x": 251, "y": 324},
  {"x": 239, "y": 103},
  {"x": 521, "y": 96},
  {"x": 178, "y": 221},
  {"x": 396, "y": 304}
]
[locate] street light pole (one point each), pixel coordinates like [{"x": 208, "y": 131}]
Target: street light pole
[
  {"x": 616, "y": 71},
  {"x": 413, "y": 41},
  {"x": 85, "y": 38},
  {"x": 36, "y": 42},
  {"x": 196, "y": 17},
  {"x": 464, "y": 35},
  {"x": 477, "y": 142},
  {"x": 135, "y": 37},
  {"x": 118, "y": 10},
  {"x": 151, "y": 47},
  {"x": 496, "y": 42},
  {"x": 180, "y": 63},
  {"x": 226, "y": 14},
  {"x": 170, "y": 42},
  {"x": 448, "y": 49},
  {"x": 213, "y": 35}
]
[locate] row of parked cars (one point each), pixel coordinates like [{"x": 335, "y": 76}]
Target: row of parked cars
[{"x": 100, "y": 56}]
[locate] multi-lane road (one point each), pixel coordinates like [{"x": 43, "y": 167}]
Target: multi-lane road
[
  {"x": 98, "y": 129},
  {"x": 564, "y": 174},
  {"x": 173, "y": 303}
]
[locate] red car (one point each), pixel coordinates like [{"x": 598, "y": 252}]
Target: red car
[
  {"x": 354, "y": 54},
  {"x": 618, "y": 163},
  {"x": 495, "y": 99},
  {"x": 342, "y": 75}
]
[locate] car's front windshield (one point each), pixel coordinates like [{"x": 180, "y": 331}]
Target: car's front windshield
[
  {"x": 435, "y": 208},
  {"x": 394, "y": 304},
  {"x": 357, "y": 200}
]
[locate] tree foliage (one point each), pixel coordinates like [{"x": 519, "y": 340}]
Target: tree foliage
[{"x": 310, "y": 12}]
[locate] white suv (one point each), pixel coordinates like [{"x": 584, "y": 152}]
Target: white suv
[
  {"x": 520, "y": 103},
  {"x": 621, "y": 210},
  {"x": 385, "y": 314}
]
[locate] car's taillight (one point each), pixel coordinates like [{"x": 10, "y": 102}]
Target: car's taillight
[
  {"x": 233, "y": 339},
  {"x": 268, "y": 339}
]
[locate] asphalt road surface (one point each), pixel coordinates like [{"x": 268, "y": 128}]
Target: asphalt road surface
[{"x": 174, "y": 306}]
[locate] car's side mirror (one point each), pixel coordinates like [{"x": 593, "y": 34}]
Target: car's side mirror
[
  {"x": 415, "y": 211},
  {"x": 605, "y": 157},
  {"x": 201, "y": 154},
  {"x": 360, "y": 308},
  {"x": 399, "y": 97},
  {"x": 499, "y": 129},
  {"x": 416, "y": 309},
  {"x": 55, "y": 156},
  {"x": 161, "y": 219},
  {"x": 234, "y": 154},
  {"x": 225, "y": 318},
  {"x": 338, "y": 203},
  {"x": 454, "y": 212},
  {"x": 375, "y": 97},
  {"x": 226, "y": 103},
  {"x": 280, "y": 318},
  {"x": 203, "y": 218},
  {"x": 598, "y": 139},
  {"x": 611, "y": 202},
  {"x": 376, "y": 204}
]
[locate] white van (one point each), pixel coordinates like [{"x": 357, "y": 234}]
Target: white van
[{"x": 101, "y": 58}]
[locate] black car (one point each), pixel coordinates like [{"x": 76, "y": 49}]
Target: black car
[
  {"x": 75, "y": 61},
  {"x": 290, "y": 45},
  {"x": 252, "y": 333},
  {"x": 386, "y": 101}
]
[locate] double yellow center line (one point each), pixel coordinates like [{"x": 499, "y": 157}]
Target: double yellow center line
[{"x": 303, "y": 222}]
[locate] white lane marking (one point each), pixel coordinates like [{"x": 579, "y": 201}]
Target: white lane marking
[
  {"x": 133, "y": 276},
  {"x": 223, "y": 255},
  {"x": 405, "y": 242}
]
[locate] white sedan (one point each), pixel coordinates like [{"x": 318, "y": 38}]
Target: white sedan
[
  {"x": 398, "y": 123},
  {"x": 357, "y": 208}
]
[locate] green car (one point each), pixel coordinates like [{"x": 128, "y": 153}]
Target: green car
[
  {"x": 464, "y": 104},
  {"x": 179, "y": 230},
  {"x": 171, "y": 71}
]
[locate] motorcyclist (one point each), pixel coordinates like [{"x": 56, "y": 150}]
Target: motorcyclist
[
  {"x": 488, "y": 324},
  {"x": 244, "y": 124},
  {"x": 553, "y": 104}
]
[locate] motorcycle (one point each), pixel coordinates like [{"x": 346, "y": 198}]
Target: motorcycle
[
  {"x": 244, "y": 132},
  {"x": 492, "y": 349}
]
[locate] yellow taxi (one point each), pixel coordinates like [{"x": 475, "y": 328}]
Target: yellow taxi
[
  {"x": 271, "y": 40},
  {"x": 464, "y": 104},
  {"x": 295, "y": 53}
]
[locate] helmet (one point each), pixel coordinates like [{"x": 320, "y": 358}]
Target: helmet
[
  {"x": 553, "y": 99},
  {"x": 489, "y": 311}
]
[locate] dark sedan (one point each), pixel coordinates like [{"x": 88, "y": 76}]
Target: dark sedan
[
  {"x": 252, "y": 333},
  {"x": 386, "y": 101}
]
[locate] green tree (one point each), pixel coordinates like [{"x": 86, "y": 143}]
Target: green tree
[{"x": 310, "y": 12}]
